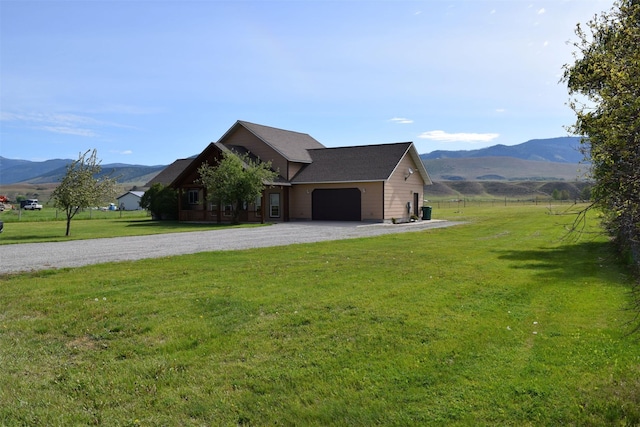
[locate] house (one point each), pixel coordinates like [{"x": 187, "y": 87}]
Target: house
[
  {"x": 130, "y": 201},
  {"x": 361, "y": 183}
]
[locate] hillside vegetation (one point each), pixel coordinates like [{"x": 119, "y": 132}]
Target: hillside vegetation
[
  {"x": 503, "y": 169},
  {"x": 498, "y": 189}
]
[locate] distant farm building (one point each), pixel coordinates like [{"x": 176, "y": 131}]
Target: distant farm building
[{"x": 130, "y": 201}]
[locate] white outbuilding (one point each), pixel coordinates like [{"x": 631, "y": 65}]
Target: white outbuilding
[{"x": 130, "y": 201}]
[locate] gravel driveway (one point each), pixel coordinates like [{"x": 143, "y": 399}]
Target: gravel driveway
[{"x": 76, "y": 253}]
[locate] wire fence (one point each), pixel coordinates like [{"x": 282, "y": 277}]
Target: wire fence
[{"x": 465, "y": 202}]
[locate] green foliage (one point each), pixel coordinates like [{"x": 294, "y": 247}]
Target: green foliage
[
  {"x": 585, "y": 193},
  {"x": 605, "y": 83},
  {"x": 496, "y": 322},
  {"x": 236, "y": 180},
  {"x": 560, "y": 194},
  {"x": 80, "y": 189},
  {"x": 161, "y": 201}
]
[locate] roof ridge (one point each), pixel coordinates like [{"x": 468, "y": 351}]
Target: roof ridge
[
  {"x": 244, "y": 122},
  {"x": 362, "y": 146}
]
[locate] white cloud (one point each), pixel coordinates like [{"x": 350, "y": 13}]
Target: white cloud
[
  {"x": 442, "y": 136},
  {"x": 501, "y": 110},
  {"x": 68, "y": 130},
  {"x": 67, "y": 124},
  {"x": 123, "y": 152},
  {"x": 52, "y": 118},
  {"x": 63, "y": 123},
  {"x": 541, "y": 11},
  {"x": 401, "y": 120}
]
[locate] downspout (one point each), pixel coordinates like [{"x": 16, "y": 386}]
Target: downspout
[
  {"x": 285, "y": 213},
  {"x": 383, "y": 190}
]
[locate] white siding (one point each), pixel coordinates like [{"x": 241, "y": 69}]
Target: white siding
[{"x": 129, "y": 201}]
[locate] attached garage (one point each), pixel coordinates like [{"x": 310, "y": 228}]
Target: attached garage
[{"x": 336, "y": 204}]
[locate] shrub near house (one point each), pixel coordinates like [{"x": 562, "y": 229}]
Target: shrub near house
[{"x": 160, "y": 201}]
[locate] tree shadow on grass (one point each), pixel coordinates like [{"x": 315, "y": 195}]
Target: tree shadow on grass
[
  {"x": 147, "y": 223},
  {"x": 172, "y": 225},
  {"x": 578, "y": 260}
]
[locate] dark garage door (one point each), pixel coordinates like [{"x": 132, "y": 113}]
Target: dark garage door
[{"x": 336, "y": 204}]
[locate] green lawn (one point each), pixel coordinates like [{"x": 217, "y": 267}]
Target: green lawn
[
  {"x": 497, "y": 322},
  {"x": 46, "y": 226}
]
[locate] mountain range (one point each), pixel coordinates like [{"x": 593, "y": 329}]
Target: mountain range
[
  {"x": 552, "y": 159},
  {"x": 537, "y": 159},
  {"x": 562, "y": 150},
  {"x": 50, "y": 171}
]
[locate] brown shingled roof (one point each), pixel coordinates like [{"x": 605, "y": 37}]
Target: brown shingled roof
[
  {"x": 171, "y": 172},
  {"x": 359, "y": 163},
  {"x": 291, "y": 145}
]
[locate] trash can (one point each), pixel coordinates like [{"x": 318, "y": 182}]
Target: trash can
[{"x": 426, "y": 212}]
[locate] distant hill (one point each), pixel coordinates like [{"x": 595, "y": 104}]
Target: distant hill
[
  {"x": 12, "y": 171},
  {"x": 553, "y": 159},
  {"x": 52, "y": 171},
  {"x": 561, "y": 150},
  {"x": 503, "y": 169},
  {"x": 525, "y": 190}
]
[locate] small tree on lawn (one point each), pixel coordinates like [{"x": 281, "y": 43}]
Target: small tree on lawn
[
  {"x": 80, "y": 188},
  {"x": 235, "y": 180}
]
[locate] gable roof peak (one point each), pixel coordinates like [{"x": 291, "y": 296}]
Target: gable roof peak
[{"x": 291, "y": 145}]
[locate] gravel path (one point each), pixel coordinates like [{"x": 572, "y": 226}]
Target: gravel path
[{"x": 76, "y": 253}]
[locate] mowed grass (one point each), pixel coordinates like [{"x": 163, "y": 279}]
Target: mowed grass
[
  {"x": 499, "y": 321},
  {"x": 43, "y": 226}
]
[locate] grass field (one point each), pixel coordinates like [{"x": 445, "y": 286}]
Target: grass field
[
  {"x": 51, "y": 215},
  {"x": 502, "y": 321},
  {"x": 46, "y": 226}
]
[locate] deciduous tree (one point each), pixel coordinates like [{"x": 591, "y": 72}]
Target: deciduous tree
[
  {"x": 81, "y": 188},
  {"x": 235, "y": 180},
  {"x": 604, "y": 84}
]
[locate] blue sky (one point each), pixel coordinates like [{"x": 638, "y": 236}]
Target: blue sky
[{"x": 147, "y": 82}]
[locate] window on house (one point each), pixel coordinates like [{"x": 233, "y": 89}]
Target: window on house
[
  {"x": 194, "y": 197},
  {"x": 274, "y": 205},
  {"x": 227, "y": 210}
]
